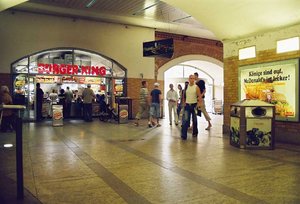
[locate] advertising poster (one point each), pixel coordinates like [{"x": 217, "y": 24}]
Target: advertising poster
[
  {"x": 275, "y": 83},
  {"x": 123, "y": 113},
  {"x": 57, "y": 116},
  {"x": 259, "y": 132},
  {"x": 234, "y": 131}
]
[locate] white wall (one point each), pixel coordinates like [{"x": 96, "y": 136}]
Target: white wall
[
  {"x": 262, "y": 41},
  {"x": 22, "y": 34}
]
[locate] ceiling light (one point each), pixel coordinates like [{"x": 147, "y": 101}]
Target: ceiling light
[
  {"x": 179, "y": 19},
  {"x": 144, "y": 9},
  {"x": 246, "y": 53},
  {"x": 90, "y": 4},
  {"x": 8, "y": 145},
  {"x": 287, "y": 45}
]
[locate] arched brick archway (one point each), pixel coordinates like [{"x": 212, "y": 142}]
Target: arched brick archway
[
  {"x": 189, "y": 46},
  {"x": 178, "y": 60}
]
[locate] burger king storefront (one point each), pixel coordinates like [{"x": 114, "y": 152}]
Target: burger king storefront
[{"x": 57, "y": 69}]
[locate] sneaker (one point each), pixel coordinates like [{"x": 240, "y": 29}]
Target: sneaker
[
  {"x": 176, "y": 124},
  {"x": 171, "y": 124},
  {"x": 136, "y": 124},
  {"x": 149, "y": 125},
  {"x": 158, "y": 125}
]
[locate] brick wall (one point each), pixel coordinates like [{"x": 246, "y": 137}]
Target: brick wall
[
  {"x": 284, "y": 131},
  {"x": 186, "y": 45},
  {"x": 133, "y": 91},
  {"x": 183, "y": 45}
]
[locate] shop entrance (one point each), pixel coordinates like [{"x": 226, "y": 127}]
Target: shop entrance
[{"x": 62, "y": 69}]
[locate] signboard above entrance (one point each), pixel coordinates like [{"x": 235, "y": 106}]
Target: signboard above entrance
[
  {"x": 68, "y": 69},
  {"x": 159, "y": 48}
]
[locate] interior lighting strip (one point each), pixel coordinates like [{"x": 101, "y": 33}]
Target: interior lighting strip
[
  {"x": 179, "y": 19},
  {"x": 90, "y": 4},
  {"x": 144, "y": 9}
]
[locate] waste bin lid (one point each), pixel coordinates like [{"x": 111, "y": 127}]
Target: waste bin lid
[{"x": 248, "y": 102}]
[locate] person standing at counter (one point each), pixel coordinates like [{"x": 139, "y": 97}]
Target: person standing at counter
[
  {"x": 68, "y": 98},
  {"x": 88, "y": 97},
  {"x": 53, "y": 96},
  {"x": 62, "y": 100},
  {"x": 39, "y": 101}
]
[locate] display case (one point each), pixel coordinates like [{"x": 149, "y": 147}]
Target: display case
[{"x": 251, "y": 124}]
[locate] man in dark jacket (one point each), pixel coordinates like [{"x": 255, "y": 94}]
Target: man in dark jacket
[{"x": 39, "y": 101}]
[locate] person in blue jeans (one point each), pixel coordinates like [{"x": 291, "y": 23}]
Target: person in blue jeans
[
  {"x": 193, "y": 101},
  {"x": 155, "y": 105}
]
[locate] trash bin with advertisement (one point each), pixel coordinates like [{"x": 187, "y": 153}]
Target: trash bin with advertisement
[
  {"x": 57, "y": 115},
  {"x": 125, "y": 101},
  {"x": 252, "y": 124}
]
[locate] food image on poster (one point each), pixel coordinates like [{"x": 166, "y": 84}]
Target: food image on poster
[
  {"x": 57, "y": 115},
  {"x": 235, "y": 130},
  {"x": 259, "y": 132},
  {"x": 275, "y": 83},
  {"x": 20, "y": 80}
]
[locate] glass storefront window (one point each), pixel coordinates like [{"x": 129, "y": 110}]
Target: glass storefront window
[
  {"x": 67, "y": 67},
  {"x": 21, "y": 66}
]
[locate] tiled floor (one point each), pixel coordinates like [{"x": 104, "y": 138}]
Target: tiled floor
[{"x": 119, "y": 163}]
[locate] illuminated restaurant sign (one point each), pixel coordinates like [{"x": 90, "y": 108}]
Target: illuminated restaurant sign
[{"x": 68, "y": 69}]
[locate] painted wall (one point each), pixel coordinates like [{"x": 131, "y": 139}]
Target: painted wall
[
  {"x": 22, "y": 34},
  {"x": 266, "y": 52}
]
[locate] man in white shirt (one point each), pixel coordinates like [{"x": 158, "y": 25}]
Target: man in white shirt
[
  {"x": 193, "y": 100},
  {"x": 172, "y": 98}
]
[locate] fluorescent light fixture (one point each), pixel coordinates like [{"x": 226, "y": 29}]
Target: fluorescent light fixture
[
  {"x": 90, "y": 4},
  {"x": 246, "y": 53},
  {"x": 146, "y": 8},
  {"x": 179, "y": 19},
  {"x": 287, "y": 45},
  {"x": 8, "y": 145}
]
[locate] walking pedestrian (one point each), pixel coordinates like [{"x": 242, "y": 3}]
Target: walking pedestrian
[
  {"x": 143, "y": 103},
  {"x": 201, "y": 84},
  {"x": 180, "y": 100},
  {"x": 155, "y": 105},
  {"x": 172, "y": 98},
  {"x": 193, "y": 100}
]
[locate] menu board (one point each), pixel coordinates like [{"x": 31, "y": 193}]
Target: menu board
[
  {"x": 48, "y": 79},
  {"x": 276, "y": 83}
]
